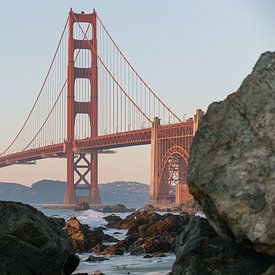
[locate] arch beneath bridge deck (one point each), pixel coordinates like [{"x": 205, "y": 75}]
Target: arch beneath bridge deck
[{"x": 172, "y": 171}]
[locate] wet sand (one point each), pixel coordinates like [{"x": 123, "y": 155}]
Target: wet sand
[{"x": 127, "y": 264}]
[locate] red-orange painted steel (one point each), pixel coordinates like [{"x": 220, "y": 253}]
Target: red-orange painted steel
[
  {"x": 170, "y": 144},
  {"x": 74, "y": 108}
]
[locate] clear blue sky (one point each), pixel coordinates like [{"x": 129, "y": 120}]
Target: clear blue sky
[{"x": 190, "y": 52}]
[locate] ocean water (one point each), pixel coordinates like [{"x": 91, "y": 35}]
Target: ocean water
[{"x": 126, "y": 264}]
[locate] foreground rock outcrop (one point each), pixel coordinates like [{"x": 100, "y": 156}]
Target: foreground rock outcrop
[
  {"x": 231, "y": 168},
  {"x": 31, "y": 243},
  {"x": 200, "y": 250}
]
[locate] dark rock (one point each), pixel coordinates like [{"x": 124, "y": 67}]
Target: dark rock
[
  {"x": 133, "y": 221},
  {"x": 113, "y": 250},
  {"x": 84, "y": 239},
  {"x": 78, "y": 235},
  {"x": 148, "y": 256},
  {"x": 159, "y": 255},
  {"x": 71, "y": 264},
  {"x": 270, "y": 270},
  {"x": 150, "y": 207},
  {"x": 148, "y": 232},
  {"x": 97, "y": 249},
  {"x": 59, "y": 222},
  {"x": 200, "y": 250},
  {"x": 140, "y": 217},
  {"x": 169, "y": 223},
  {"x": 231, "y": 166},
  {"x": 92, "y": 258},
  {"x": 118, "y": 208},
  {"x": 98, "y": 272},
  {"x": 31, "y": 243},
  {"x": 113, "y": 221},
  {"x": 82, "y": 205},
  {"x": 164, "y": 243},
  {"x": 97, "y": 236}
]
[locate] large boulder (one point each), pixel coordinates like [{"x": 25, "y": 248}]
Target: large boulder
[
  {"x": 201, "y": 251},
  {"x": 31, "y": 243},
  {"x": 231, "y": 168}
]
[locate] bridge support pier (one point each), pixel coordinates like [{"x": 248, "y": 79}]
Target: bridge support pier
[
  {"x": 170, "y": 147},
  {"x": 154, "y": 159},
  {"x": 81, "y": 164},
  {"x": 82, "y": 179}
]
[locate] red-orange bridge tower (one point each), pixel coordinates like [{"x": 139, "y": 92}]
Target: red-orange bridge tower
[{"x": 92, "y": 101}]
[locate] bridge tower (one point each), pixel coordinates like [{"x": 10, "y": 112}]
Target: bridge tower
[
  {"x": 170, "y": 147},
  {"x": 82, "y": 167}
]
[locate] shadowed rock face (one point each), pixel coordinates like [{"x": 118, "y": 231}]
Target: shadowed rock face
[
  {"x": 200, "y": 250},
  {"x": 30, "y": 243},
  {"x": 231, "y": 167}
]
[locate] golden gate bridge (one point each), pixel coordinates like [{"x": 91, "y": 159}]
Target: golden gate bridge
[{"x": 93, "y": 100}]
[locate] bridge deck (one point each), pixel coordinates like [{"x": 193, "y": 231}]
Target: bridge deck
[
  {"x": 126, "y": 139},
  {"x": 117, "y": 140}
]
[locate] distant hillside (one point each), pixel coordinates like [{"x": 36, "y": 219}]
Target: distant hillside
[{"x": 132, "y": 194}]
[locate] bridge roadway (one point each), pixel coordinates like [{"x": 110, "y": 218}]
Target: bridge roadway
[
  {"x": 130, "y": 138},
  {"x": 111, "y": 141}
]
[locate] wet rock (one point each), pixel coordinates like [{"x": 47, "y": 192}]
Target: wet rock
[
  {"x": 133, "y": 221},
  {"x": 113, "y": 221},
  {"x": 97, "y": 249},
  {"x": 82, "y": 205},
  {"x": 31, "y": 243},
  {"x": 150, "y": 207},
  {"x": 192, "y": 207},
  {"x": 98, "y": 272},
  {"x": 140, "y": 217},
  {"x": 71, "y": 264},
  {"x": 78, "y": 235},
  {"x": 118, "y": 208},
  {"x": 154, "y": 255},
  {"x": 231, "y": 167},
  {"x": 169, "y": 223},
  {"x": 113, "y": 250},
  {"x": 270, "y": 270},
  {"x": 92, "y": 258},
  {"x": 200, "y": 250},
  {"x": 59, "y": 222},
  {"x": 164, "y": 243},
  {"x": 97, "y": 236},
  {"x": 82, "y": 238},
  {"x": 148, "y": 232}
]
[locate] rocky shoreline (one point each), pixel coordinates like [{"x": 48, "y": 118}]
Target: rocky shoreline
[{"x": 148, "y": 233}]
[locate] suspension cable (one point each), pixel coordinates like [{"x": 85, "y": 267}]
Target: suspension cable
[
  {"x": 41, "y": 90},
  {"x": 129, "y": 64},
  {"x": 101, "y": 61}
]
